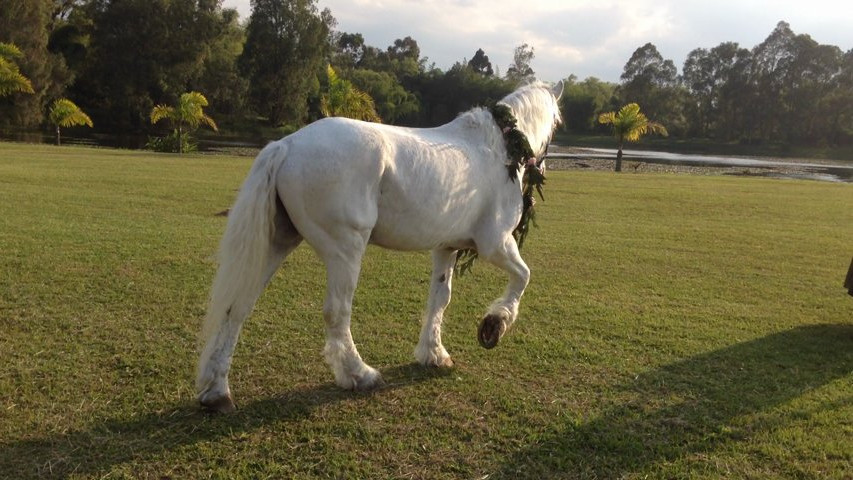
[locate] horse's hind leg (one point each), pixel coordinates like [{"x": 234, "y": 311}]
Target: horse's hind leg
[
  {"x": 215, "y": 363},
  {"x": 503, "y": 312},
  {"x": 343, "y": 264},
  {"x": 430, "y": 351}
]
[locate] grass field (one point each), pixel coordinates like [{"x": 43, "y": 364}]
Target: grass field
[{"x": 675, "y": 327}]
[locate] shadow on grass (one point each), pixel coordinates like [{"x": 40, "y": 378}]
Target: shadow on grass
[
  {"x": 113, "y": 442},
  {"x": 692, "y": 407}
]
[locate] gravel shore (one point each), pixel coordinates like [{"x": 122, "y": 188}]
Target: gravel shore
[{"x": 791, "y": 169}]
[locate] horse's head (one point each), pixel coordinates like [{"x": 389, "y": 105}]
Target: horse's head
[{"x": 536, "y": 107}]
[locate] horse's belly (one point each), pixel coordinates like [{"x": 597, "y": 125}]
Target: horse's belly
[{"x": 409, "y": 231}]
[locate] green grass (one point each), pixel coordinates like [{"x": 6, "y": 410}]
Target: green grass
[{"x": 675, "y": 327}]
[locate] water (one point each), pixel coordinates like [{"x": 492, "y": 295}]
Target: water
[
  {"x": 836, "y": 172},
  {"x": 805, "y": 170}
]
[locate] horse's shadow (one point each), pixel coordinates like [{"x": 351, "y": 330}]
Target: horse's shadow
[
  {"x": 691, "y": 408},
  {"x": 113, "y": 442}
]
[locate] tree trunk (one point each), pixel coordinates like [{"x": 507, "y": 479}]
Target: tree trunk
[
  {"x": 180, "y": 141},
  {"x": 619, "y": 159},
  {"x": 57, "y": 135}
]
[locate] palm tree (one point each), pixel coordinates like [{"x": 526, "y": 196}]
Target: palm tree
[
  {"x": 64, "y": 113},
  {"x": 345, "y": 100},
  {"x": 629, "y": 124},
  {"x": 187, "y": 114},
  {"x": 11, "y": 79}
]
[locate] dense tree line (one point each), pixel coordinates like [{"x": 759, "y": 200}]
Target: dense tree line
[
  {"x": 787, "y": 89},
  {"x": 117, "y": 59}
]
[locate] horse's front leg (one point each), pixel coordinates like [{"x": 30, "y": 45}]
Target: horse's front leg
[
  {"x": 504, "y": 311},
  {"x": 430, "y": 351}
]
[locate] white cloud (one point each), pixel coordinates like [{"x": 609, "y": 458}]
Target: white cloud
[{"x": 584, "y": 37}]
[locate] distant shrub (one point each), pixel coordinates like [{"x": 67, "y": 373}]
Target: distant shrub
[{"x": 171, "y": 143}]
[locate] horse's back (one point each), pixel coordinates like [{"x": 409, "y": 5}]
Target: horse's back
[{"x": 412, "y": 189}]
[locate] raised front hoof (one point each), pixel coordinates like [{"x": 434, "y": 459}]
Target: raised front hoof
[
  {"x": 221, "y": 404},
  {"x": 491, "y": 329}
]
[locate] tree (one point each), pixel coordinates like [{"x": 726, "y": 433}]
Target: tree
[
  {"x": 392, "y": 101},
  {"x": 11, "y": 78},
  {"x": 839, "y": 104},
  {"x": 25, "y": 24},
  {"x": 629, "y": 125},
  {"x": 187, "y": 115},
  {"x": 220, "y": 78},
  {"x": 809, "y": 82},
  {"x": 146, "y": 52},
  {"x": 770, "y": 61},
  {"x": 405, "y": 48},
  {"x": 342, "y": 99},
  {"x": 481, "y": 64},
  {"x": 444, "y": 95},
  {"x": 698, "y": 76},
  {"x": 402, "y": 58},
  {"x": 716, "y": 81},
  {"x": 520, "y": 69},
  {"x": 652, "y": 81},
  {"x": 64, "y": 113},
  {"x": 287, "y": 45},
  {"x": 582, "y": 103},
  {"x": 349, "y": 49}
]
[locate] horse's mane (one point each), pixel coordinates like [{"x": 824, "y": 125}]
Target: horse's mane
[
  {"x": 536, "y": 110},
  {"x": 534, "y": 107}
]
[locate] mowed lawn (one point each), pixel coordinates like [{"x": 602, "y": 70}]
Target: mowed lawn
[{"x": 675, "y": 327}]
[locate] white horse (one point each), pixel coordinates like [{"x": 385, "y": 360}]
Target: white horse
[{"x": 341, "y": 184}]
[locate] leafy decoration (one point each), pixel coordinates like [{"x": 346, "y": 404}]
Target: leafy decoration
[{"x": 520, "y": 155}]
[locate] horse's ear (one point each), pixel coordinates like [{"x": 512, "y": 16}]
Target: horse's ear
[{"x": 558, "y": 90}]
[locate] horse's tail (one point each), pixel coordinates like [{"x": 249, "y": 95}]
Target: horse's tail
[{"x": 244, "y": 265}]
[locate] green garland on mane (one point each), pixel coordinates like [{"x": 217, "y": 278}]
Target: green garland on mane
[{"x": 519, "y": 154}]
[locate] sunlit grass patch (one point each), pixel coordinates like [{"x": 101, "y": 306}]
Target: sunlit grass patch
[{"x": 675, "y": 327}]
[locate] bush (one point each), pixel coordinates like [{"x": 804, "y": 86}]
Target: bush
[{"x": 170, "y": 143}]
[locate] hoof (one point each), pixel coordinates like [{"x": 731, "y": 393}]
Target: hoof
[
  {"x": 491, "y": 329},
  {"x": 437, "y": 357},
  {"x": 367, "y": 380},
  {"x": 223, "y": 404},
  {"x": 446, "y": 362}
]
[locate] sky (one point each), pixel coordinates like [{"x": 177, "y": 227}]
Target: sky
[{"x": 587, "y": 38}]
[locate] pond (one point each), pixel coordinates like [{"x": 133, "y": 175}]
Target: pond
[
  {"x": 804, "y": 169},
  {"x": 769, "y": 167}
]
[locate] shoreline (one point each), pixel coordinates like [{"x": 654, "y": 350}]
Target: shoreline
[{"x": 788, "y": 168}]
